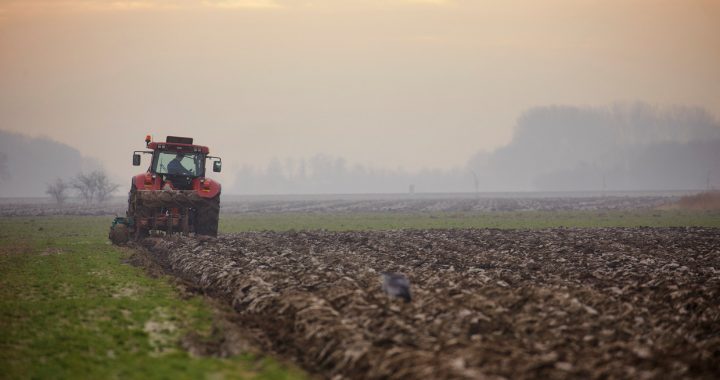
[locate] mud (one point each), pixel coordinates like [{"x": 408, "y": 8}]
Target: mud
[{"x": 561, "y": 303}]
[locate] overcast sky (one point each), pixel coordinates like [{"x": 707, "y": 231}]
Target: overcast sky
[{"x": 394, "y": 83}]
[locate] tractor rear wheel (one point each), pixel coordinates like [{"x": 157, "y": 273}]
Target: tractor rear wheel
[
  {"x": 207, "y": 217},
  {"x": 135, "y": 212}
]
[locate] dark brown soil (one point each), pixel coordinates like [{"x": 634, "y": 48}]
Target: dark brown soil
[{"x": 561, "y": 303}]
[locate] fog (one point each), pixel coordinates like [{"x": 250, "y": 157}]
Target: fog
[
  {"x": 368, "y": 95},
  {"x": 560, "y": 148},
  {"x": 27, "y": 164},
  {"x": 621, "y": 147}
]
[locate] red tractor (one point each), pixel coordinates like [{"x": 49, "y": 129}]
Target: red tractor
[{"x": 173, "y": 195}]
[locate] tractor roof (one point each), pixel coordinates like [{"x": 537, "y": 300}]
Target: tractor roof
[{"x": 178, "y": 144}]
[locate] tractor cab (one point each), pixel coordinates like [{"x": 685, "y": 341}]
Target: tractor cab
[{"x": 177, "y": 162}]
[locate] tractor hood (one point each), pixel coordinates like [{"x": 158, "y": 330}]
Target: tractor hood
[{"x": 205, "y": 187}]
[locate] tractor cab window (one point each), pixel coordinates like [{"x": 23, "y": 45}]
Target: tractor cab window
[{"x": 185, "y": 164}]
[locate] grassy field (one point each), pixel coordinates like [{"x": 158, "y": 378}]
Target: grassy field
[
  {"x": 515, "y": 219},
  {"x": 69, "y": 308}
]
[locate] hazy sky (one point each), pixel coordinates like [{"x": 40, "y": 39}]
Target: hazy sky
[{"x": 410, "y": 83}]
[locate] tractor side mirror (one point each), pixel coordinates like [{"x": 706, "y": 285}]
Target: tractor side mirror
[
  {"x": 217, "y": 166},
  {"x": 136, "y": 159}
]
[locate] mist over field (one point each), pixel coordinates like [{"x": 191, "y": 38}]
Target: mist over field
[
  {"x": 558, "y": 148},
  {"x": 366, "y": 96},
  {"x": 622, "y": 147},
  {"x": 28, "y": 164}
]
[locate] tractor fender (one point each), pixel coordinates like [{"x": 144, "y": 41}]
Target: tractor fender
[
  {"x": 206, "y": 187},
  {"x": 145, "y": 181}
]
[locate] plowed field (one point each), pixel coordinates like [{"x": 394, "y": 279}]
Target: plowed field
[{"x": 559, "y": 303}]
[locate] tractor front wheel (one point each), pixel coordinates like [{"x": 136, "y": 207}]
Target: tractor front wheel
[{"x": 119, "y": 234}]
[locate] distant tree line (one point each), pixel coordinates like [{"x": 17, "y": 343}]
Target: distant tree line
[
  {"x": 323, "y": 174},
  {"x": 559, "y": 148},
  {"x": 28, "y": 163},
  {"x": 92, "y": 187},
  {"x": 620, "y": 147}
]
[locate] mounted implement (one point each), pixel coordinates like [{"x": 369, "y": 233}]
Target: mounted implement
[{"x": 174, "y": 195}]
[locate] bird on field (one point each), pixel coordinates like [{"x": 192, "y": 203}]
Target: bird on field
[{"x": 396, "y": 285}]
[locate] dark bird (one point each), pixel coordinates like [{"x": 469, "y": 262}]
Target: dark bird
[{"x": 396, "y": 285}]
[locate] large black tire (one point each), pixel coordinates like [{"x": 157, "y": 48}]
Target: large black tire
[
  {"x": 207, "y": 217},
  {"x": 135, "y": 211},
  {"x": 132, "y": 201},
  {"x": 119, "y": 234}
]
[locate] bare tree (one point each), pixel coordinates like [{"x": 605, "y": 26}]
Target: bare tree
[
  {"x": 85, "y": 185},
  {"x": 58, "y": 190},
  {"x": 102, "y": 185},
  {"x": 94, "y": 186}
]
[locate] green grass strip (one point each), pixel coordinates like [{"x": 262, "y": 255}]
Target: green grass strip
[
  {"x": 421, "y": 220},
  {"x": 69, "y": 308}
]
